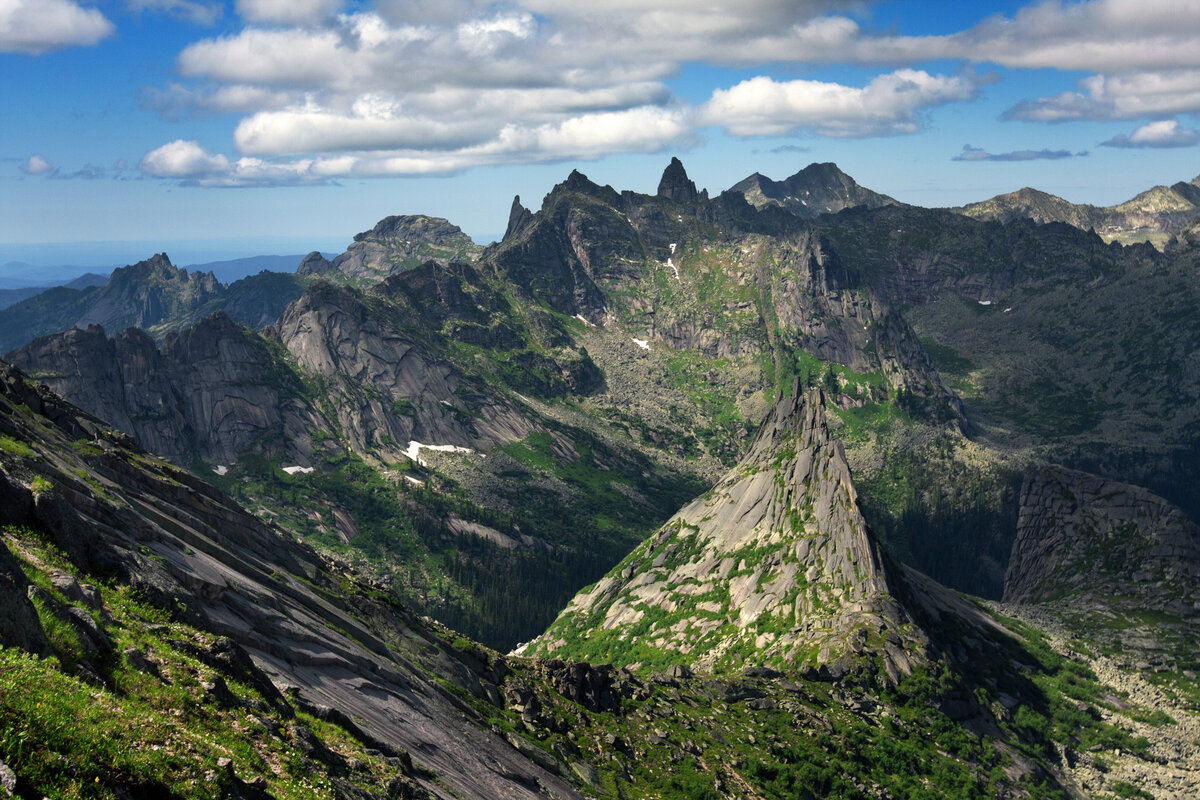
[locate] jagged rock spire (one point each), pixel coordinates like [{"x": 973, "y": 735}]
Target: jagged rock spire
[
  {"x": 518, "y": 217},
  {"x": 774, "y": 566},
  {"x": 675, "y": 184}
]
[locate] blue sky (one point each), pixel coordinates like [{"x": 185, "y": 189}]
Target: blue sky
[{"x": 220, "y": 129}]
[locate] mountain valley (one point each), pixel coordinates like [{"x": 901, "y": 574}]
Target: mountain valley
[{"x": 794, "y": 490}]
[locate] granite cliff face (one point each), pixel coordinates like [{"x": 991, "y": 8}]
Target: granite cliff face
[
  {"x": 213, "y": 391},
  {"x": 772, "y": 567},
  {"x": 382, "y": 383},
  {"x": 1083, "y": 535}
]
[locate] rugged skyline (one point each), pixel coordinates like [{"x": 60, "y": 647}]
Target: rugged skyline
[{"x": 133, "y": 118}]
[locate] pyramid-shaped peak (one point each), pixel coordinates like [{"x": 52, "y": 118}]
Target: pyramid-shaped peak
[
  {"x": 675, "y": 184},
  {"x": 773, "y": 567}
]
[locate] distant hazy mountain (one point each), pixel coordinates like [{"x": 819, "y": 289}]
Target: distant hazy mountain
[
  {"x": 817, "y": 189},
  {"x": 153, "y": 295},
  {"x": 238, "y": 268},
  {"x": 11, "y": 296},
  {"x": 20, "y": 275},
  {"x": 1154, "y": 215}
]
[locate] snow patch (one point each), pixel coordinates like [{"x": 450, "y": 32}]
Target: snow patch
[
  {"x": 300, "y": 470},
  {"x": 985, "y": 302},
  {"x": 414, "y": 450},
  {"x": 674, "y": 268},
  {"x": 672, "y": 246},
  {"x": 582, "y": 319},
  {"x": 221, "y": 469},
  {"x": 642, "y": 343},
  {"x": 413, "y": 480},
  {"x": 1008, "y": 309}
]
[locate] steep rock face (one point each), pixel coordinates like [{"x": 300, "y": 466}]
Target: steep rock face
[
  {"x": 817, "y": 189},
  {"x": 383, "y": 384},
  {"x": 675, "y": 184},
  {"x": 214, "y": 391},
  {"x": 191, "y": 550},
  {"x": 773, "y": 566},
  {"x": 1080, "y": 534},
  {"x": 401, "y": 242},
  {"x": 576, "y": 239}
]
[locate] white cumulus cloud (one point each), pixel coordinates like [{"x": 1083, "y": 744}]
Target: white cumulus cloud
[
  {"x": 288, "y": 12},
  {"x": 1124, "y": 96},
  {"x": 182, "y": 159},
  {"x": 36, "y": 165},
  {"x": 39, "y": 26},
  {"x": 1163, "y": 133},
  {"x": 336, "y": 89},
  {"x": 889, "y": 104}
]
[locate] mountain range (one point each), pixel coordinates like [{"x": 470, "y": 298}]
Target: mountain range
[
  {"x": 734, "y": 446},
  {"x": 1155, "y": 215}
]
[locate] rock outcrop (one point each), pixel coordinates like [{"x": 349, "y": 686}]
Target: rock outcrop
[
  {"x": 398, "y": 243},
  {"x": 518, "y": 218},
  {"x": 314, "y": 264},
  {"x": 774, "y": 566},
  {"x": 1083, "y": 535}
]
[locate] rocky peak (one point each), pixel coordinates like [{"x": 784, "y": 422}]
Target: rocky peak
[
  {"x": 817, "y": 189},
  {"x": 147, "y": 293},
  {"x": 398, "y": 243},
  {"x": 579, "y": 183},
  {"x": 434, "y": 230},
  {"x": 675, "y": 184},
  {"x": 314, "y": 264},
  {"x": 774, "y": 566},
  {"x": 518, "y": 217}
]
